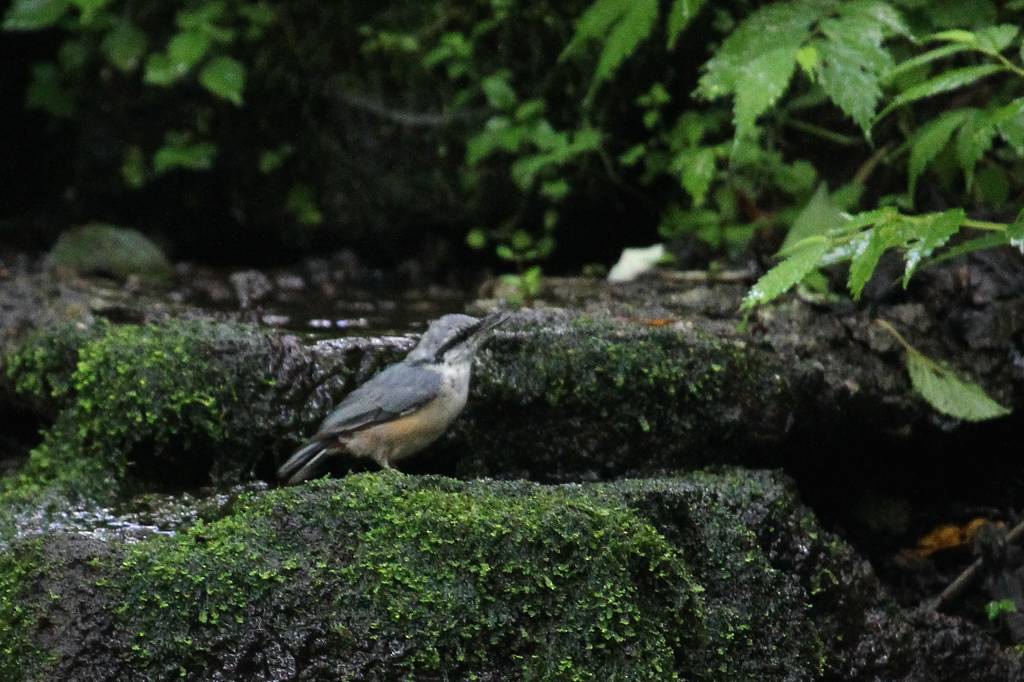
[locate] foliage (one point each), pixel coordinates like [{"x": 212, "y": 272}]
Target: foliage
[
  {"x": 943, "y": 389},
  {"x": 713, "y": 121}
]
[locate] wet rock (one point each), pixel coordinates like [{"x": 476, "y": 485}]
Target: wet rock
[
  {"x": 251, "y": 287},
  {"x": 711, "y": 576},
  {"x": 169, "y": 406},
  {"x": 102, "y": 249}
]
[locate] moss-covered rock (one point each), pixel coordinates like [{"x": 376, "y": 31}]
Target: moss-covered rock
[
  {"x": 600, "y": 398},
  {"x": 383, "y": 576},
  {"x": 167, "y": 406},
  {"x": 102, "y": 249},
  {"x": 712, "y": 576}
]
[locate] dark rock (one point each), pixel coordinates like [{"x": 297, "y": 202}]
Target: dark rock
[{"x": 711, "y": 576}]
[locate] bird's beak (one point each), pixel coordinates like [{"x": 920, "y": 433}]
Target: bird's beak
[{"x": 490, "y": 322}]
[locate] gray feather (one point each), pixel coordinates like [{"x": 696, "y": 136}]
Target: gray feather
[{"x": 398, "y": 390}]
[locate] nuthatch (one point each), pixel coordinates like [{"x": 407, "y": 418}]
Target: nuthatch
[{"x": 406, "y": 407}]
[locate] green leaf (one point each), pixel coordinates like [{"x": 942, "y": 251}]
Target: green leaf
[
  {"x": 853, "y": 59},
  {"x": 698, "y": 172},
  {"x": 1015, "y": 234},
  {"x": 272, "y": 159},
  {"x": 90, "y": 9},
  {"x": 922, "y": 59},
  {"x": 818, "y": 217},
  {"x": 497, "y": 90},
  {"x": 680, "y": 16},
  {"x": 183, "y": 52},
  {"x": 995, "y": 39},
  {"x": 595, "y": 23},
  {"x": 809, "y": 59},
  {"x": 944, "y": 82},
  {"x": 301, "y": 203},
  {"x": 788, "y": 273},
  {"x": 133, "y": 167},
  {"x": 1009, "y": 119},
  {"x": 955, "y": 35},
  {"x": 864, "y": 262},
  {"x": 124, "y": 45},
  {"x": 930, "y": 140},
  {"x": 46, "y": 92},
  {"x": 761, "y": 82},
  {"x": 179, "y": 153},
  {"x": 989, "y": 241},
  {"x": 934, "y": 232},
  {"x": 224, "y": 77},
  {"x": 635, "y": 26},
  {"x": 948, "y": 393},
  {"x": 975, "y": 138},
  {"x": 476, "y": 239},
  {"x": 32, "y": 15}
]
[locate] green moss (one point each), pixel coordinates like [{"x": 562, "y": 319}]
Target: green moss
[
  {"x": 20, "y": 656},
  {"x": 144, "y": 398},
  {"x": 547, "y": 583},
  {"x": 99, "y": 248},
  {"x": 592, "y": 395}
]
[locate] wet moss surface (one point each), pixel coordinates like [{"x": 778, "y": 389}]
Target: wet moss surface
[
  {"x": 164, "y": 406},
  {"x": 596, "y": 399},
  {"x": 385, "y": 576}
]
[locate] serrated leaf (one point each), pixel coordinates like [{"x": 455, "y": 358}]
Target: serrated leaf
[
  {"x": 851, "y": 67},
  {"x": 698, "y": 172},
  {"x": 922, "y": 59},
  {"x": 761, "y": 82},
  {"x": 857, "y": 221},
  {"x": 818, "y": 217},
  {"x": 224, "y": 77},
  {"x": 630, "y": 31},
  {"x": 948, "y": 393},
  {"x": 930, "y": 141},
  {"x": 995, "y": 39},
  {"x": 124, "y": 46},
  {"x": 788, "y": 273},
  {"x": 853, "y": 58},
  {"x": 1009, "y": 120},
  {"x": 975, "y": 138},
  {"x": 944, "y": 82},
  {"x": 881, "y": 13},
  {"x": 32, "y": 15},
  {"x": 595, "y": 23},
  {"x": 934, "y": 233},
  {"x": 864, "y": 261},
  {"x": 782, "y": 25},
  {"x": 680, "y": 16}
]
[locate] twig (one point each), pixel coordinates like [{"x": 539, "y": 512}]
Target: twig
[
  {"x": 963, "y": 581},
  {"x": 411, "y": 119}
]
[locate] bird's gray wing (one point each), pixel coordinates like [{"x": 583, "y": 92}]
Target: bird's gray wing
[{"x": 398, "y": 390}]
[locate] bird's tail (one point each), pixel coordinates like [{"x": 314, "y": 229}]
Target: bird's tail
[{"x": 304, "y": 463}]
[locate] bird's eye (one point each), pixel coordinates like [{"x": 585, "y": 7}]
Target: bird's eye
[{"x": 455, "y": 339}]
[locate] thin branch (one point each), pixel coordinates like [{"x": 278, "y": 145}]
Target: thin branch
[{"x": 969, "y": 574}]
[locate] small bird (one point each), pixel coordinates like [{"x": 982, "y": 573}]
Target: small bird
[{"x": 406, "y": 407}]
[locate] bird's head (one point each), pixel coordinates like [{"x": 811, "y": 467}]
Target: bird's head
[{"x": 454, "y": 338}]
